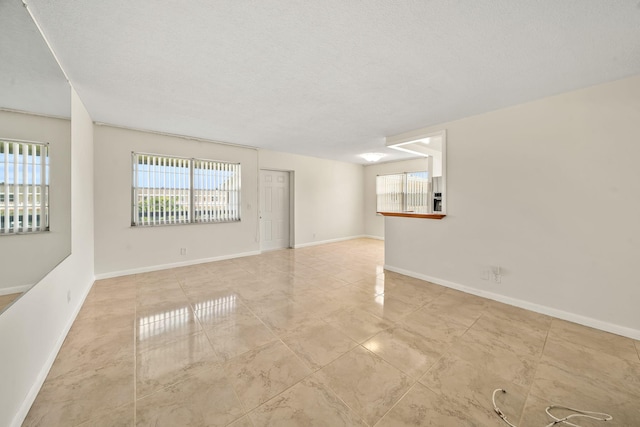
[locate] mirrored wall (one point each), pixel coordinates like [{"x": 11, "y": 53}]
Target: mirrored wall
[{"x": 35, "y": 107}]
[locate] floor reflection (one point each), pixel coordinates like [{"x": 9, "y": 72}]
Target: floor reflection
[
  {"x": 215, "y": 310},
  {"x": 160, "y": 323},
  {"x": 171, "y": 320},
  {"x": 7, "y": 300}
]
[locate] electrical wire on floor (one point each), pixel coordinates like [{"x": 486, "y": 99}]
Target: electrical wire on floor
[{"x": 577, "y": 413}]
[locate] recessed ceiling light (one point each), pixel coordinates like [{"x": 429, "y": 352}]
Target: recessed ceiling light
[{"x": 372, "y": 157}]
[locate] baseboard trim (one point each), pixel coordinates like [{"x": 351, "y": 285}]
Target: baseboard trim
[
  {"x": 339, "y": 239},
  {"x": 370, "y": 236},
  {"x": 15, "y": 289},
  {"x": 159, "y": 267},
  {"x": 147, "y": 269},
  {"x": 20, "y": 416},
  {"x": 538, "y": 308}
]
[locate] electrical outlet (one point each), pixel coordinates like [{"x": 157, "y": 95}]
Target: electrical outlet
[
  {"x": 68, "y": 297},
  {"x": 485, "y": 275},
  {"x": 314, "y": 235},
  {"x": 496, "y": 272},
  {"x": 183, "y": 251}
]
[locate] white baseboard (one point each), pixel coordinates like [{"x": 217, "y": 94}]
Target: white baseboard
[
  {"x": 542, "y": 309},
  {"x": 20, "y": 416},
  {"x": 15, "y": 289},
  {"x": 370, "y": 236},
  {"x": 147, "y": 269},
  {"x": 159, "y": 267},
  {"x": 340, "y": 239}
]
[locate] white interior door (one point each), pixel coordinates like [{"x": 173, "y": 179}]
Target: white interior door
[{"x": 274, "y": 209}]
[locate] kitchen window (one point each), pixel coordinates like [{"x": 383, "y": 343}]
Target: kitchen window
[{"x": 408, "y": 192}]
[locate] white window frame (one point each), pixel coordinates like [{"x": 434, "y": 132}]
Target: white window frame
[
  {"x": 25, "y": 191},
  {"x": 189, "y": 190}
]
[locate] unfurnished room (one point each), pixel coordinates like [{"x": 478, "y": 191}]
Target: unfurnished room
[{"x": 322, "y": 213}]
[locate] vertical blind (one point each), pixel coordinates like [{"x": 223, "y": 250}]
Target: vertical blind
[
  {"x": 390, "y": 193},
  {"x": 24, "y": 187},
  {"x": 417, "y": 192},
  {"x": 174, "y": 190},
  {"x": 216, "y": 191},
  {"x": 403, "y": 192}
]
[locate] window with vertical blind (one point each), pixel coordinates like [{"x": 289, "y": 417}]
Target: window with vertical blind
[
  {"x": 24, "y": 187},
  {"x": 170, "y": 190},
  {"x": 404, "y": 192}
]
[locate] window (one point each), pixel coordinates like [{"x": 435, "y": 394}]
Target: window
[
  {"x": 24, "y": 187},
  {"x": 174, "y": 190},
  {"x": 404, "y": 192}
]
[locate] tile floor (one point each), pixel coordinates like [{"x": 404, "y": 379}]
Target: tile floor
[
  {"x": 6, "y": 300},
  {"x": 322, "y": 336}
]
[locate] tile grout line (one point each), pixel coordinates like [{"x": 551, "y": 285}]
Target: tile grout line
[
  {"x": 135, "y": 373},
  {"x": 189, "y": 377},
  {"x": 221, "y": 364},
  {"x": 414, "y": 381},
  {"x": 246, "y": 412},
  {"x": 444, "y": 353},
  {"x": 544, "y": 346},
  {"x": 335, "y": 393},
  {"x": 279, "y": 338},
  {"x": 399, "y": 400}
]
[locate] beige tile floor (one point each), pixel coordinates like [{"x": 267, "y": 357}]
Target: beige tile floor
[
  {"x": 322, "y": 336},
  {"x": 6, "y": 300}
]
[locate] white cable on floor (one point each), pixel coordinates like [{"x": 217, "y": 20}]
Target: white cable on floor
[{"x": 598, "y": 416}]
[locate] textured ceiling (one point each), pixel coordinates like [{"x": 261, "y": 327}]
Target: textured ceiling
[
  {"x": 30, "y": 79},
  {"x": 329, "y": 78}
]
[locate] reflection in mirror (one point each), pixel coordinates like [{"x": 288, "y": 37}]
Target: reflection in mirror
[
  {"x": 419, "y": 192},
  {"x": 35, "y": 106}
]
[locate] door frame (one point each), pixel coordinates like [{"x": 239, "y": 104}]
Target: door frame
[{"x": 291, "y": 206}]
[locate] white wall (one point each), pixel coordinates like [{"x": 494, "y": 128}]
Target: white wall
[
  {"x": 34, "y": 328},
  {"x": 328, "y": 199},
  {"x": 31, "y": 256},
  {"x": 550, "y": 191},
  {"x": 374, "y": 223},
  {"x": 122, "y": 249},
  {"x": 327, "y": 202}
]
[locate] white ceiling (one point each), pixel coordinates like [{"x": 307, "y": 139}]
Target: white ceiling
[
  {"x": 329, "y": 78},
  {"x": 30, "y": 79}
]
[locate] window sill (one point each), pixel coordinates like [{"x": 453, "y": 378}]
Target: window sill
[
  {"x": 24, "y": 233},
  {"x": 413, "y": 215}
]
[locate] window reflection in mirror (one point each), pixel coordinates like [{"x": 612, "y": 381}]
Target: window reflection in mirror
[{"x": 35, "y": 105}]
